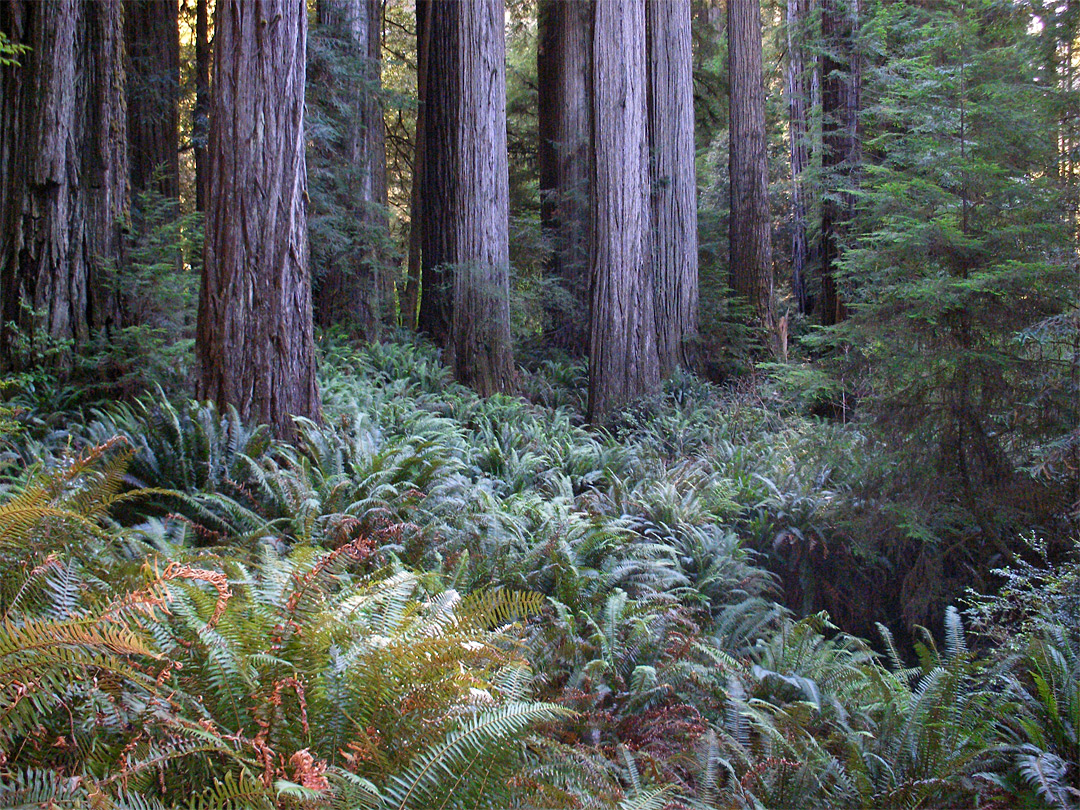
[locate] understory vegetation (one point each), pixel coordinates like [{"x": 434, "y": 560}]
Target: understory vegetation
[{"x": 437, "y": 600}]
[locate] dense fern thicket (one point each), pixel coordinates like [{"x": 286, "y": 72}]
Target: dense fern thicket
[{"x": 435, "y": 600}]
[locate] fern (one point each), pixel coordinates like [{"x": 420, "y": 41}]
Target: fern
[{"x": 445, "y": 774}]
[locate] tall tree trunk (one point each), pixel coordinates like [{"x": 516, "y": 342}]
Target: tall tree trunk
[
  {"x": 200, "y": 116},
  {"x": 750, "y": 232},
  {"x": 564, "y": 72},
  {"x": 63, "y": 173},
  {"x": 623, "y": 360},
  {"x": 798, "y": 98},
  {"x": 152, "y": 34},
  {"x": 355, "y": 285},
  {"x": 841, "y": 154},
  {"x": 437, "y": 27},
  {"x": 673, "y": 181},
  {"x": 411, "y": 299},
  {"x": 105, "y": 171},
  {"x": 255, "y": 344},
  {"x": 465, "y": 304}
]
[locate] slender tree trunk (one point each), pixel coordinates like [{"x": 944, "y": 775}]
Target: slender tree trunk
[
  {"x": 841, "y": 155},
  {"x": 436, "y": 28},
  {"x": 355, "y": 285},
  {"x": 200, "y": 116},
  {"x": 798, "y": 98},
  {"x": 63, "y": 174},
  {"x": 750, "y": 225},
  {"x": 564, "y": 71},
  {"x": 411, "y": 299},
  {"x": 623, "y": 359},
  {"x": 673, "y": 181},
  {"x": 105, "y": 196},
  {"x": 255, "y": 343},
  {"x": 152, "y": 33},
  {"x": 465, "y": 306}
]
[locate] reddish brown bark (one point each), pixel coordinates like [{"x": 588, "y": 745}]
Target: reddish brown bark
[
  {"x": 841, "y": 151},
  {"x": 200, "y": 116},
  {"x": 564, "y": 69},
  {"x": 673, "y": 181},
  {"x": 623, "y": 360},
  {"x": 255, "y": 344},
  {"x": 798, "y": 98},
  {"x": 63, "y": 173},
  {"x": 751, "y": 270},
  {"x": 152, "y": 35},
  {"x": 355, "y": 286},
  {"x": 465, "y": 304}
]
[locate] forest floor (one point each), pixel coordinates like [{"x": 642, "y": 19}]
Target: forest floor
[{"x": 437, "y": 600}]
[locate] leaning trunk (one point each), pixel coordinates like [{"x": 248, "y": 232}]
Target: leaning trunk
[{"x": 410, "y": 301}]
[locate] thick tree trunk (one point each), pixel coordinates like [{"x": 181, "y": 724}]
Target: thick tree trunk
[
  {"x": 564, "y": 70},
  {"x": 255, "y": 344},
  {"x": 465, "y": 304},
  {"x": 152, "y": 34},
  {"x": 623, "y": 361},
  {"x": 200, "y": 116},
  {"x": 355, "y": 285},
  {"x": 841, "y": 153},
  {"x": 63, "y": 173},
  {"x": 798, "y": 98},
  {"x": 750, "y": 232},
  {"x": 674, "y": 181}
]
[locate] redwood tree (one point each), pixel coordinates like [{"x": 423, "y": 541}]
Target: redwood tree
[
  {"x": 200, "y": 114},
  {"x": 673, "y": 181},
  {"x": 799, "y": 104},
  {"x": 255, "y": 344},
  {"x": 63, "y": 171},
  {"x": 152, "y": 35},
  {"x": 350, "y": 281},
  {"x": 750, "y": 234},
  {"x": 465, "y": 303},
  {"x": 623, "y": 360},
  {"x": 841, "y": 153},
  {"x": 564, "y": 87},
  {"x": 410, "y": 299}
]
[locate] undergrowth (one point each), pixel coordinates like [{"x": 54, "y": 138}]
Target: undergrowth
[{"x": 434, "y": 600}]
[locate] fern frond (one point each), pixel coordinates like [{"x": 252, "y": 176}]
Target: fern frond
[{"x": 431, "y": 779}]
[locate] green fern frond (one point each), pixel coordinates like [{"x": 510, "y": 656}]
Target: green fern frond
[
  {"x": 432, "y": 779},
  {"x": 1047, "y": 773},
  {"x": 654, "y": 799},
  {"x": 232, "y": 792}
]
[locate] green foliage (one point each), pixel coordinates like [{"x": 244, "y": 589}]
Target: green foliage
[
  {"x": 348, "y": 230},
  {"x": 437, "y": 599},
  {"x": 158, "y": 289},
  {"x": 961, "y": 248},
  {"x": 11, "y": 51},
  {"x": 302, "y": 676}
]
